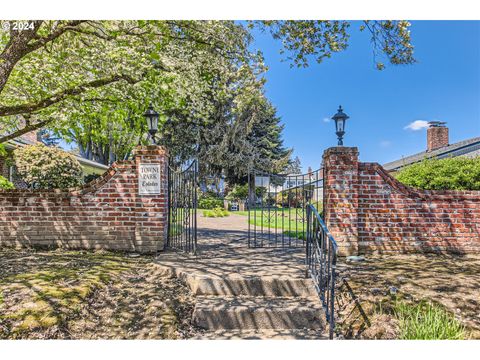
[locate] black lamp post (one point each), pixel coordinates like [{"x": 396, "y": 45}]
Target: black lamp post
[
  {"x": 152, "y": 122},
  {"x": 340, "y": 118}
]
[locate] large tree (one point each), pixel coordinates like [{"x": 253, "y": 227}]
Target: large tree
[
  {"x": 193, "y": 101},
  {"x": 57, "y": 65},
  {"x": 250, "y": 138},
  {"x": 49, "y": 72},
  {"x": 319, "y": 39}
]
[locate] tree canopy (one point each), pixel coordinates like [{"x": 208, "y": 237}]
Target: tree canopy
[{"x": 90, "y": 81}]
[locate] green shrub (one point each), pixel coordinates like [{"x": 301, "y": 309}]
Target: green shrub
[
  {"x": 210, "y": 194},
  {"x": 217, "y": 212},
  {"x": 427, "y": 321},
  {"x": 458, "y": 173},
  {"x": 302, "y": 235},
  {"x": 43, "y": 167},
  {"x": 3, "y": 151},
  {"x": 222, "y": 212},
  {"x": 209, "y": 201},
  {"x": 5, "y": 184},
  {"x": 239, "y": 192},
  {"x": 294, "y": 199}
]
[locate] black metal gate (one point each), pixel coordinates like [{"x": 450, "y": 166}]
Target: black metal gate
[
  {"x": 277, "y": 207},
  {"x": 182, "y": 208}
]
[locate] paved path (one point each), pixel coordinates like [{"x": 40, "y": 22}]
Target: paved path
[{"x": 223, "y": 251}]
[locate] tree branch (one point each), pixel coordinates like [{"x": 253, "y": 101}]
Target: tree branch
[
  {"x": 20, "y": 44},
  {"x": 53, "y": 99},
  {"x": 25, "y": 130},
  {"x": 71, "y": 25}
]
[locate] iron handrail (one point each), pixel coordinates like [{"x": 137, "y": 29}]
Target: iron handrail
[{"x": 321, "y": 261}]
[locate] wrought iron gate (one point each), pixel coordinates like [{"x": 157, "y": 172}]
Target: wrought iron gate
[
  {"x": 182, "y": 208},
  {"x": 277, "y": 214}
]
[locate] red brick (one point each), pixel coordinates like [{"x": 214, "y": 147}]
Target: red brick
[
  {"x": 100, "y": 215},
  {"x": 381, "y": 207}
]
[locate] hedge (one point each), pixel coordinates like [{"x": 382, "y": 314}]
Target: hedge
[
  {"x": 457, "y": 173},
  {"x": 5, "y": 184}
]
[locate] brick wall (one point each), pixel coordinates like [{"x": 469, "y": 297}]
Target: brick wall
[
  {"x": 367, "y": 210},
  {"x": 107, "y": 213}
]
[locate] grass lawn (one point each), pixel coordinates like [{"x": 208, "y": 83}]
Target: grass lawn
[
  {"x": 415, "y": 296},
  {"x": 89, "y": 295},
  {"x": 287, "y": 219},
  {"x": 276, "y": 217}
]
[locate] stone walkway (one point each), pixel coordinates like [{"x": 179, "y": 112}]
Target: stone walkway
[{"x": 246, "y": 292}]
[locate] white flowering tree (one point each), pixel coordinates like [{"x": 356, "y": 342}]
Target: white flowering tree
[
  {"x": 90, "y": 81},
  {"x": 51, "y": 66}
]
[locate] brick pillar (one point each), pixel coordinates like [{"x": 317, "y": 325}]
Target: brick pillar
[
  {"x": 341, "y": 186},
  {"x": 152, "y": 208}
]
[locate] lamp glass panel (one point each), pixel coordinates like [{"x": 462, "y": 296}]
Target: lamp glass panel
[
  {"x": 153, "y": 120},
  {"x": 340, "y": 125}
]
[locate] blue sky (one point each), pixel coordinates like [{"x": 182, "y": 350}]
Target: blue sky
[{"x": 444, "y": 85}]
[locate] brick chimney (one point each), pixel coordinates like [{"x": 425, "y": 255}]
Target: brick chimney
[{"x": 437, "y": 135}]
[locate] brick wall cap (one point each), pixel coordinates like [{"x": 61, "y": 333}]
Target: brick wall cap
[
  {"x": 341, "y": 150},
  {"x": 150, "y": 150}
]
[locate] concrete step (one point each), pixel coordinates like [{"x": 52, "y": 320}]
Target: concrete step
[
  {"x": 264, "y": 334},
  {"x": 251, "y": 286},
  {"x": 247, "y": 313},
  {"x": 237, "y": 285}
]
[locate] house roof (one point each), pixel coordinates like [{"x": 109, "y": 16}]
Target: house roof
[
  {"x": 94, "y": 164},
  {"x": 13, "y": 144},
  {"x": 468, "y": 148}
]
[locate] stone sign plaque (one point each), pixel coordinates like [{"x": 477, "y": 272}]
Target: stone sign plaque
[{"x": 149, "y": 179}]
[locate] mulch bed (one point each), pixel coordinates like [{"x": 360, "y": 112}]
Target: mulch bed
[
  {"x": 90, "y": 295},
  {"x": 365, "y": 287}
]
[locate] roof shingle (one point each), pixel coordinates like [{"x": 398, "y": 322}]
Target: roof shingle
[{"x": 469, "y": 148}]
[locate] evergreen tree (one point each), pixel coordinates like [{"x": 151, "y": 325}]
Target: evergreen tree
[
  {"x": 258, "y": 141},
  {"x": 266, "y": 136}
]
